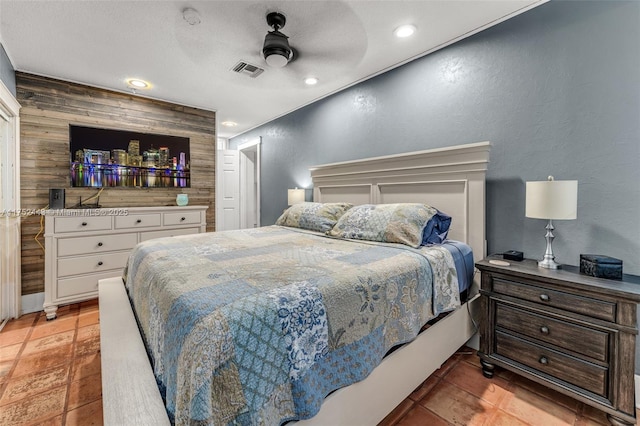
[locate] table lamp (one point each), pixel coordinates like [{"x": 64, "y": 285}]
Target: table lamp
[
  {"x": 295, "y": 196},
  {"x": 552, "y": 200}
]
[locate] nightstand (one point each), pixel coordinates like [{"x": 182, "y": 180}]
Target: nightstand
[{"x": 571, "y": 332}]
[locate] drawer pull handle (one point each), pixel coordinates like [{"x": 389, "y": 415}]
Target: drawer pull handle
[
  {"x": 544, "y": 297},
  {"x": 99, "y": 244},
  {"x": 100, "y": 263},
  {"x": 183, "y": 218},
  {"x": 544, "y": 330},
  {"x": 84, "y": 223},
  {"x": 139, "y": 221},
  {"x": 543, "y": 360}
]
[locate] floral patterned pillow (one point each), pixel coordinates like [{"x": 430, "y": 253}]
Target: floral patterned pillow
[
  {"x": 319, "y": 217},
  {"x": 389, "y": 223}
]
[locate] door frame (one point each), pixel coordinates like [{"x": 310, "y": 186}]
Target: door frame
[
  {"x": 254, "y": 146},
  {"x": 10, "y": 240}
]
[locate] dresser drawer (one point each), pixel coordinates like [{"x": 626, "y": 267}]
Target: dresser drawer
[
  {"x": 569, "y": 302},
  {"x": 86, "y": 285},
  {"x": 186, "y": 218},
  {"x": 585, "y": 375},
  {"x": 96, "y": 244},
  {"x": 144, "y": 236},
  {"x": 91, "y": 264},
  {"x": 586, "y": 341},
  {"x": 81, "y": 224},
  {"x": 134, "y": 221}
]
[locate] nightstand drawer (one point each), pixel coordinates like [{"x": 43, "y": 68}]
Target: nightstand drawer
[
  {"x": 585, "y": 341},
  {"x": 590, "y": 377},
  {"x": 569, "y": 302}
]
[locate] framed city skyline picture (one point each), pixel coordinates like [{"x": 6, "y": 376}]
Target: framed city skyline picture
[{"x": 119, "y": 158}]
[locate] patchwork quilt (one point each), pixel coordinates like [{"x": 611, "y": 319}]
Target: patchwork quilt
[{"x": 258, "y": 326}]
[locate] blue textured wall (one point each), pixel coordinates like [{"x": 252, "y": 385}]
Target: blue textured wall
[
  {"x": 557, "y": 92},
  {"x": 7, "y": 73}
]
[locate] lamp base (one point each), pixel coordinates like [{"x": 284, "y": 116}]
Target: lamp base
[
  {"x": 549, "y": 264},
  {"x": 548, "y": 261}
]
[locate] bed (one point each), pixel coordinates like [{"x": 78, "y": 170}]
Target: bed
[{"x": 450, "y": 178}]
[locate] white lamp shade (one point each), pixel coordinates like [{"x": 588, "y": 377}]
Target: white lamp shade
[
  {"x": 295, "y": 196},
  {"x": 552, "y": 199}
]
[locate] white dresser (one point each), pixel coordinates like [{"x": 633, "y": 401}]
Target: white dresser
[{"x": 84, "y": 246}]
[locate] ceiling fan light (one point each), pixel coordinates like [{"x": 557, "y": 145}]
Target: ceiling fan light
[
  {"x": 276, "y": 49},
  {"x": 275, "y": 60}
]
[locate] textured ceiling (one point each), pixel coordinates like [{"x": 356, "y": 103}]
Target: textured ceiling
[{"x": 102, "y": 43}]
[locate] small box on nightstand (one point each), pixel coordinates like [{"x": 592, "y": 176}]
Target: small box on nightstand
[{"x": 601, "y": 266}]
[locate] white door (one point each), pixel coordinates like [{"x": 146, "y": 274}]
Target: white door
[
  {"x": 228, "y": 190},
  {"x": 250, "y": 183}
]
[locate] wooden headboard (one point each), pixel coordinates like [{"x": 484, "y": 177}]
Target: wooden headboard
[{"x": 451, "y": 179}]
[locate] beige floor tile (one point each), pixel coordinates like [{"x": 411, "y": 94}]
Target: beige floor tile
[
  {"x": 43, "y": 361},
  {"x": 87, "y": 415},
  {"x": 457, "y": 406},
  {"x": 58, "y": 325},
  {"x": 420, "y": 416},
  {"x": 32, "y": 384},
  {"x": 88, "y": 318},
  {"x": 13, "y": 337},
  {"x": 89, "y": 346},
  {"x": 39, "y": 408},
  {"x": 86, "y": 366},
  {"x": 470, "y": 378},
  {"x": 83, "y": 391},
  {"x": 49, "y": 342},
  {"x": 9, "y": 352},
  {"x": 535, "y": 409},
  {"x": 87, "y": 332}
]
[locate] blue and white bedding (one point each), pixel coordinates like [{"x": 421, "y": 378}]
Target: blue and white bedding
[{"x": 258, "y": 326}]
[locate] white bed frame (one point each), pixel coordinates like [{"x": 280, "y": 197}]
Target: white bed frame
[{"x": 451, "y": 179}]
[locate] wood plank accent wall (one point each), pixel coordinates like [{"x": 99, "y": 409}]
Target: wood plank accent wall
[{"x": 49, "y": 106}]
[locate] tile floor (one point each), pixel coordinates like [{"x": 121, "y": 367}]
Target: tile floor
[
  {"x": 50, "y": 370},
  {"x": 50, "y": 375}
]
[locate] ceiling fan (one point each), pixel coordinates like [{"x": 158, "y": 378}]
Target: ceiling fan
[{"x": 276, "y": 50}]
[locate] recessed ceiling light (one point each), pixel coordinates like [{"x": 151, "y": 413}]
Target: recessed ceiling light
[
  {"x": 229, "y": 123},
  {"x": 310, "y": 81},
  {"x": 404, "y": 31},
  {"x": 138, "y": 84}
]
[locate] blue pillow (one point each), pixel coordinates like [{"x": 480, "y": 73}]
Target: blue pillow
[{"x": 437, "y": 229}]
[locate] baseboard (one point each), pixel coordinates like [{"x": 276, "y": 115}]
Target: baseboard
[
  {"x": 637, "y": 390},
  {"x": 32, "y": 303}
]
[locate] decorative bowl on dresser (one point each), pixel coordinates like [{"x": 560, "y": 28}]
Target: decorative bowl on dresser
[
  {"x": 571, "y": 332},
  {"x": 83, "y": 246}
]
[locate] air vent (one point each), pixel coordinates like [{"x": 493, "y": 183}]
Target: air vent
[{"x": 248, "y": 69}]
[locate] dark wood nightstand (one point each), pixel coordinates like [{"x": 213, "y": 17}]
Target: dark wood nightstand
[{"x": 571, "y": 332}]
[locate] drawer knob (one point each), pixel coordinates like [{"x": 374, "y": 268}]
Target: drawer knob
[
  {"x": 544, "y": 297},
  {"x": 100, "y": 263},
  {"x": 544, "y": 330},
  {"x": 139, "y": 221},
  {"x": 84, "y": 223},
  {"x": 183, "y": 218},
  {"x": 99, "y": 244},
  {"x": 543, "y": 360}
]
